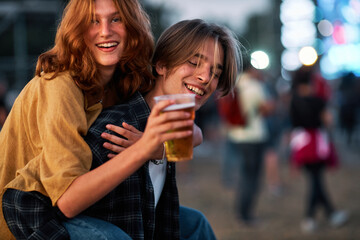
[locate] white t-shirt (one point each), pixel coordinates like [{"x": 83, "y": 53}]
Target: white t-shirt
[
  {"x": 157, "y": 175},
  {"x": 252, "y": 95}
]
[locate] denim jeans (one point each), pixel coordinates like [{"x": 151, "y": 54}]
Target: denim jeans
[
  {"x": 230, "y": 163},
  {"x": 250, "y": 177},
  {"x": 89, "y": 228},
  {"x": 193, "y": 226}
]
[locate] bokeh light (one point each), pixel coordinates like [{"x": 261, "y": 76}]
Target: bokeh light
[
  {"x": 290, "y": 60},
  {"x": 298, "y": 30},
  {"x": 308, "y": 56},
  {"x": 325, "y": 28},
  {"x": 260, "y": 60}
]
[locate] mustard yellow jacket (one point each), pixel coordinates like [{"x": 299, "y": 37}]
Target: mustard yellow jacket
[{"x": 41, "y": 143}]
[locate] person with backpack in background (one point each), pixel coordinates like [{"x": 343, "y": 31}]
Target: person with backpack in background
[{"x": 245, "y": 140}]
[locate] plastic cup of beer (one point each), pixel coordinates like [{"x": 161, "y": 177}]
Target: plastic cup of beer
[{"x": 179, "y": 149}]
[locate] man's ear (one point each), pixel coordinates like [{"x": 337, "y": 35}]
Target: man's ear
[{"x": 160, "y": 69}]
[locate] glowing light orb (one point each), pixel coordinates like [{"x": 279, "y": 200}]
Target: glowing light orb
[
  {"x": 308, "y": 56},
  {"x": 260, "y": 60}
]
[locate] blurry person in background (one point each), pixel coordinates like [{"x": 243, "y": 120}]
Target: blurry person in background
[
  {"x": 131, "y": 195},
  {"x": 276, "y": 125},
  {"x": 247, "y": 142},
  {"x": 101, "y": 57},
  {"x": 312, "y": 148},
  {"x": 349, "y": 106}
]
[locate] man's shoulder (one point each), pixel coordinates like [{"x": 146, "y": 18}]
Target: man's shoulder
[
  {"x": 129, "y": 112},
  {"x": 112, "y": 115},
  {"x": 115, "y": 115}
]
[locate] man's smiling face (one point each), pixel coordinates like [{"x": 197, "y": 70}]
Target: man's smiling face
[{"x": 199, "y": 75}]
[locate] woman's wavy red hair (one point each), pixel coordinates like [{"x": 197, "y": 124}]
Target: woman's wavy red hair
[{"x": 70, "y": 52}]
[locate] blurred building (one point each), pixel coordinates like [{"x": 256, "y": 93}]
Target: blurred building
[{"x": 27, "y": 28}]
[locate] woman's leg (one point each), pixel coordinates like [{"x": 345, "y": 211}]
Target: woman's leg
[
  {"x": 317, "y": 194},
  {"x": 89, "y": 228},
  {"x": 194, "y": 225},
  {"x": 311, "y": 202},
  {"x": 321, "y": 193}
]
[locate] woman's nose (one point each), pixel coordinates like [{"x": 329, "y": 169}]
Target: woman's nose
[{"x": 105, "y": 29}]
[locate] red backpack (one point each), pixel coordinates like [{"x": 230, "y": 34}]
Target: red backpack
[{"x": 230, "y": 109}]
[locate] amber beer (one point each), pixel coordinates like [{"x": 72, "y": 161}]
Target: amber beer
[{"x": 180, "y": 149}]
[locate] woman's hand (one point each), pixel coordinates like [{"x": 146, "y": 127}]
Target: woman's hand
[{"x": 118, "y": 144}]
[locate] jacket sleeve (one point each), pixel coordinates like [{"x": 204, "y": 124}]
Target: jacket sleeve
[{"x": 59, "y": 122}]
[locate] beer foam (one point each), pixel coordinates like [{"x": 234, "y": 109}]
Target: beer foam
[{"x": 179, "y": 106}]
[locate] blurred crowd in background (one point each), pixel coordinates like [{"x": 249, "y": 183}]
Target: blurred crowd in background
[{"x": 321, "y": 35}]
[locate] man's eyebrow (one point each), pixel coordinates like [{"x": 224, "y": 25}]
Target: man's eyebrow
[{"x": 219, "y": 66}]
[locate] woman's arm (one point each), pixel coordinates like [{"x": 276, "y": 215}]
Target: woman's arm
[{"x": 94, "y": 185}]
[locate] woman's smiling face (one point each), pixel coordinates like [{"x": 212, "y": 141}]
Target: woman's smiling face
[{"x": 106, "y": 35}]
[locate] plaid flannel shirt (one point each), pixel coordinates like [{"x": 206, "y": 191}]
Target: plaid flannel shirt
[{"x": 130, "y": 206}]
